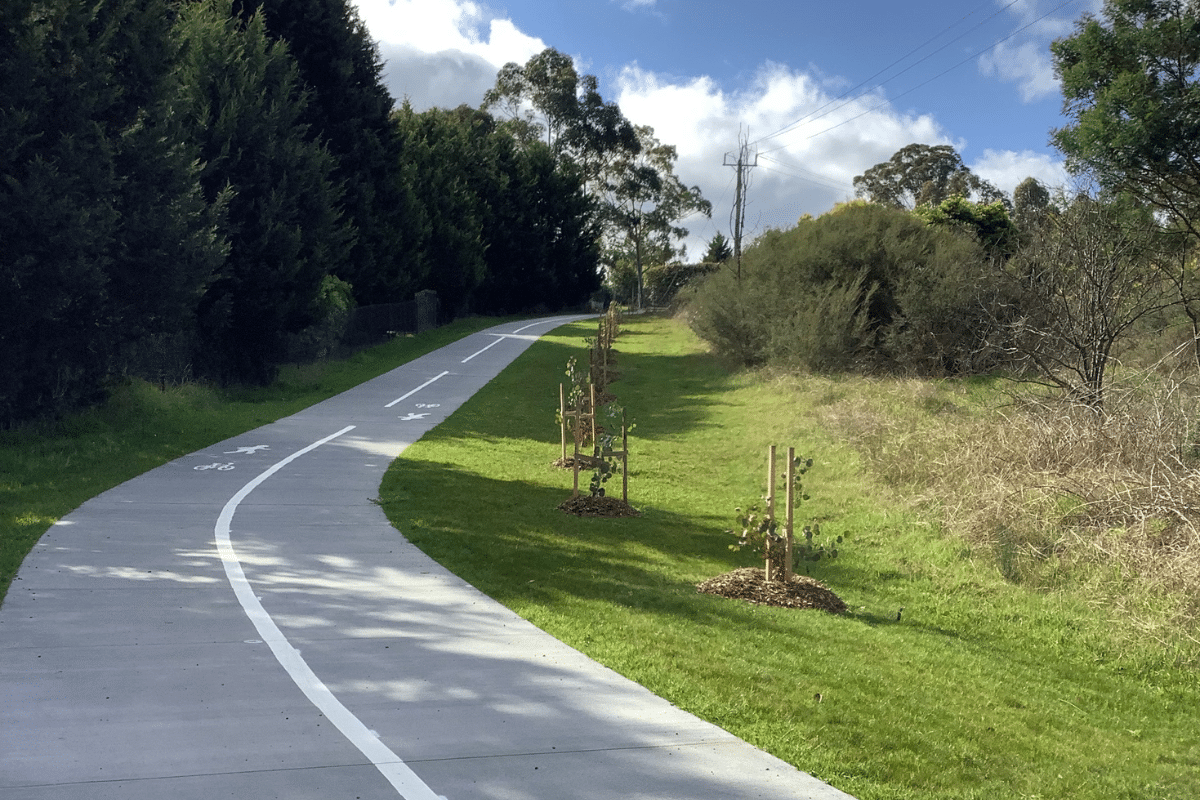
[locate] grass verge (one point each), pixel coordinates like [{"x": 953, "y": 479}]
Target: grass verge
[
  {"x": 983, "y": 689},
  {"x": 47, "y": 470}
]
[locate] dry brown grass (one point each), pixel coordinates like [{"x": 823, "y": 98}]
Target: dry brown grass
[{"x": 1058, "y": 495}]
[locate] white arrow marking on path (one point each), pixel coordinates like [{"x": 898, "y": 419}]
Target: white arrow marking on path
[
  {"x": 397, "y": 773},
  {"x": 419, "y": 388}
]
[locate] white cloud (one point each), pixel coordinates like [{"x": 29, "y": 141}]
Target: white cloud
[
  {"x": 1025, "y": 59},
  {"x": 431, "y": 25},
  {"x": 506, "y": 43},
  {"x": 443, "y": 52},
  {"x": 447, "y": 79},
  {"x": 806, "y": 169},
  {"x": 1027, "y": 64},
  {"x": 1006, "y": 169}
]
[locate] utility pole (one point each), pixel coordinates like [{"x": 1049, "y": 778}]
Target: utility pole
[{"x": 739, "y": 199}]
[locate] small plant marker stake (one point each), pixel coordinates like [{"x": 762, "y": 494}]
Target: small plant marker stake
[
  {"x": 770, "y": 508},
  {"x": 791, "y": 474}
]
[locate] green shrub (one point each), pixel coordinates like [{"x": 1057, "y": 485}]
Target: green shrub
[
  {"x": 722, "y": 311},
  {"x": 863, "y": 286}
]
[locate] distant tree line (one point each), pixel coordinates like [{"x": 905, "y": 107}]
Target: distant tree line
[
  {"x": 934, "y": 272},
  {"x": 627, "y": 171},
  {"x": 220, "y": 175}
]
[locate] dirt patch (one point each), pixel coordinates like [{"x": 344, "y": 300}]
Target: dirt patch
[
  {"x": 750, "y": 584},
  {"x": 588, "y": 506}
]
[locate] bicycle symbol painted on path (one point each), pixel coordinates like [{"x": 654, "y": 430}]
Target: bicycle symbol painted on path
[{"x": 227, "y": 466}]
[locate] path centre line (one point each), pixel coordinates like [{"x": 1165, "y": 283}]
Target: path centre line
[
  {"x": 419, "y": 388},
  {"x": 499, "y": 338},
  {"x": 393, "y": 769},
  {"x": 533, "y": 324}
]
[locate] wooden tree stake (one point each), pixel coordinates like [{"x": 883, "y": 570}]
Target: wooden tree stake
[
  {"x": 770, "y": 509},
  {"x": 791, "y": 505},
  {"x": 624, "y": 460},
  {"x": 577, "y": 417},
  {"x": 562, "y": 414}
]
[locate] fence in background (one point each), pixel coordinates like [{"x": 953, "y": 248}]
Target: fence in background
[{"x": 168, "y": 358}]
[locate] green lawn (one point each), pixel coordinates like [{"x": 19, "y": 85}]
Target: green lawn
[{"x": 982, "y": 690}]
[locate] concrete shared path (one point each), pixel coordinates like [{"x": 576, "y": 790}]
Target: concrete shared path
[{"x": 243, "y": 622}]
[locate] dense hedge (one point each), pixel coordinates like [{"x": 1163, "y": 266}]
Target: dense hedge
[{"x": 197, "y": 173}]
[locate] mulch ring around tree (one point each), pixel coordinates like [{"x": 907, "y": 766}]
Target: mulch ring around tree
[
  {"x": 587, "y": 506},
  {"x": 750, "y": 584},
  {"x": 585, "y": 462}
]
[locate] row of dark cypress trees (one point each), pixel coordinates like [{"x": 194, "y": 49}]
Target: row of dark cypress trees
[{"x": 204, "y": 173}]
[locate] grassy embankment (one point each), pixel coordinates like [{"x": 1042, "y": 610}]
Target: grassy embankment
[
  {"x": 47, "y": 470},
  {"x": 984, "y": 688}
]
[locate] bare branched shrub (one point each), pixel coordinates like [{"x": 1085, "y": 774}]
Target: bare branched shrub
[{"x": 1079, "y": 290}]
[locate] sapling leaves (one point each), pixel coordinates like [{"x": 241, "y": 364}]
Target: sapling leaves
[
  {"x": 611, "y": 421},
  {"x": 757, "y": 525}
]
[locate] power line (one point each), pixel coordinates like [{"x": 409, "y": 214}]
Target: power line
[
  {"x": 794, "y": 171},
  {"x": 992, "y": 46},
  {"x": 817, "y": 113},
  {"x": 711, "y": 227}
]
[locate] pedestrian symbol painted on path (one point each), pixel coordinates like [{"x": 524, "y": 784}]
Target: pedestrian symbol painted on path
[
  {"x": 249, "y": 450},
  {"x": 410, "y": 417}
]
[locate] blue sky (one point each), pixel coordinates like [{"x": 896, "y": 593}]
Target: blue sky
[{"x": 852, "y": 82}]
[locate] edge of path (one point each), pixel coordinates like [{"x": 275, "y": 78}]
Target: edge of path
[{"x": 134, "y": 673}]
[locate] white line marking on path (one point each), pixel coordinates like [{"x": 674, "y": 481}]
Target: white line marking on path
[
  {"x": 534, "y": 324},
  {"x": 397, "y": 773},
  {"x": 419, "y": 388},
  {"x": 514, "y": 335},
  {"x": 500, "y": 337}
]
